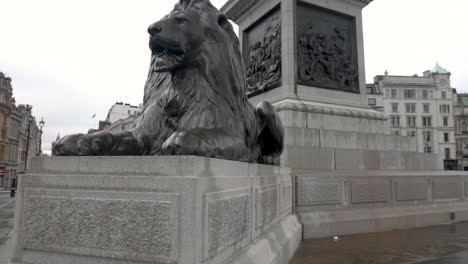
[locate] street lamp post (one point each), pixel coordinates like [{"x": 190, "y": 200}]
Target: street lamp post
[
  {"x": 41, "y": 125},
  {"x": 27, "y": 144}
]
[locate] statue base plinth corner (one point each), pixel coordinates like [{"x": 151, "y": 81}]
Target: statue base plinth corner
[{"x": 159, "y": 209}]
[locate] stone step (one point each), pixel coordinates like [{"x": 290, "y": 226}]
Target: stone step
[
  {"x": 4, "y": 223},
  {"x": 4, "y": 232},
  {"x": 4, "y": 201},
  {"x": 8, "y": 206},
  {"x": 6, "y": 213}
]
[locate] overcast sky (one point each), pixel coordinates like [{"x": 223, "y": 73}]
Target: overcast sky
[{"x": 72, "y": 59}]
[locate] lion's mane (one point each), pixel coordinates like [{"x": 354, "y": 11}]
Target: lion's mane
[{"x": 217, "y": 78}]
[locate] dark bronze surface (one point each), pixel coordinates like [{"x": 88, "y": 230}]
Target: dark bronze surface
[
  {"x": 262, "y": 47},
  {"x": 327, "y": 53},
  {"x": 195, "y": 100}
]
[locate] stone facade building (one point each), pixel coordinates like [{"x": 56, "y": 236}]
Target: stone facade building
[
  {"x": 120, "y": 117},
  {"x": 121, "y": 111},
  {"x": 28, "y": 139},
  {"x": 123, "y": 124},
  {"x": 14, "y": 133},
  {"x": 16, "y": 124},
  {"x": 421, "y": 107},
  {"x": 461, "y": 131},
  {"x": 5, "y": 111}
]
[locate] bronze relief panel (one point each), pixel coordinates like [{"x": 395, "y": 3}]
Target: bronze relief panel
[
  {"x": 262, "y": 53},
  {"x": 326, "y": 49}
]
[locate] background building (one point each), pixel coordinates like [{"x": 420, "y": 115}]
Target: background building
[
  {"x": 461, "y": 131},
  {"x": 5, "y": 111},
  {"x": 28, "y": 139},
  {"x": 121, "y": 111},
  {"x": 421, "y": 107},
  {"x": 375, "y": 97},
  {"x": 120, "y": 117},
  {"x": 14, "y": 133},
  {"x": 19, "y": 135}
]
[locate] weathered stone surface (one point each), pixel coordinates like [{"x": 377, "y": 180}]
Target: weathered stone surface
[
  {"x": 446, "y": 189},
  {"x": 227, "y": 217},
  {"x": 179, "y": 209},
  {"x": 315, "y": 192},
  {"x": 411, "y": 190},
  {"x": 141, "y": 230},
  {"x": 266, "y": 204},
  {"x": 370, "y": 191},
  {"x": 286, "y": 198}
]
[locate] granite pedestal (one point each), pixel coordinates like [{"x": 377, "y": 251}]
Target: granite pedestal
[
  {"x": 334, "y": 203},
  {"x": 172, "y": 209},
  {"x": 296, "y": 54}
]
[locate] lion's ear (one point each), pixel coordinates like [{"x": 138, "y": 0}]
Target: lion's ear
[{"x": 223, "y": 21}]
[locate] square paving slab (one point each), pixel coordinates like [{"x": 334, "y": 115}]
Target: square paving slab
[{"x": 432, "y": 245}]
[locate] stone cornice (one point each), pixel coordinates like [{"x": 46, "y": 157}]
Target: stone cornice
[
  {"x": 360, "y": 3},
  {"x": 330, "y": 111},
  {"x": 408, "y": 84},
  {"x": 234, "y": 9}
]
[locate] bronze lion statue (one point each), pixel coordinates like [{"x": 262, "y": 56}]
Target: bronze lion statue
[{"x": 195, "y": 100}]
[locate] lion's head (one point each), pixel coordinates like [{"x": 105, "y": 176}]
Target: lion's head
[
  {"x": 186, "y": 33},
  {"x": 196, "y": 37}
]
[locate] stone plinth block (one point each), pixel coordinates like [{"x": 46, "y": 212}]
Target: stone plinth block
[
  {"x": 172, "y": 209},
  {"x": 342, "y": 202},
  {"x": 284, "y": 36}
]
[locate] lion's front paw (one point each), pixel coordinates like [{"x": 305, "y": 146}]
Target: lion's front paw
[
  {"x": 73, "y": 145},
  {"x": 185, "y": 143}
]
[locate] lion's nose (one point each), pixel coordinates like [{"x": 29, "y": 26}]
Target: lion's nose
[{"x": 154, "y": 29}]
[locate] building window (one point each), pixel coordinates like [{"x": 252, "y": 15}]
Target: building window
[
  {"x": 369, "y": 90},
  {"x": 372, "y": 101},
  {"x": 410, "y": 108},
  {"x": 427, "y": 136},
  {"x": 446, "y": 137},
  {"x": 427, "y": 149},
  {"x": 409, "y": 94},
  {"x": 396, "y": 132},
  {"x": 445, "y": 119},
  {"x": 445, "y": 109},
  {"x": 394, "y": 93},
  {"x": 394, "y": 107},
  {"x": 395, "y": 121},
  {"x": 426, "y": 108},
  {"x": 411, "y": 133},
  {"x": 425, "y": 94},
  {"x": 411, "y": 121},
  {"x": 447, "y": 153},
  {"x": 427, "y": 121},
  {"x": 444, "y": 95},
  {"x": 464, "y": 126}
]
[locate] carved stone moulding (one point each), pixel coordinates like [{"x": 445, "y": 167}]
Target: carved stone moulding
[
  {"x": 329, "y": 111},
  {"x": 262, "y": 53},
  {"x": 326, "y": 49}
]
